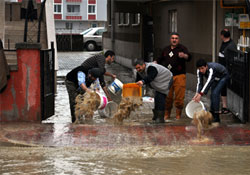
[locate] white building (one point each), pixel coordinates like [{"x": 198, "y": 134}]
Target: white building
[{"x": 74, "y": 16}]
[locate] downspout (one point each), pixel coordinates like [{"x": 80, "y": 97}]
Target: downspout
[
  {"x": 214, "y": 32},
  {"x": 112, "y": 25}
]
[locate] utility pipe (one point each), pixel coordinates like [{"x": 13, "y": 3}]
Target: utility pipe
[{"x": 214, "y": 32}]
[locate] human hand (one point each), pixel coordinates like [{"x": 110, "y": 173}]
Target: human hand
[
  {"x": 182, "y": 55},
  {"x": 113, "y": 76},
  {"x": 140, "y": 83},
  {"x": 197, "y": 97},
  {"x": 109, "y": 99},
  {"x": 88, "y": 90}
]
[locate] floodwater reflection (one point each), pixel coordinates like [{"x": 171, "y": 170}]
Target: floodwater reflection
[{"x": 193, "y": 160}]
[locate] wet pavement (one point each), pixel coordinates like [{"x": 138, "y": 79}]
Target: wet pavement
[{"x": 138, "y": 129}]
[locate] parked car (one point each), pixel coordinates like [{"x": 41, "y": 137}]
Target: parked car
[{"x": 92, "y": 38}]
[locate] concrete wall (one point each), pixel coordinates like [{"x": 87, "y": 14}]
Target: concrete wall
[
  {"x": 21, "y": 100},
  {"x": 126, "y": 41},
  {"x": 2, "y": 21}
]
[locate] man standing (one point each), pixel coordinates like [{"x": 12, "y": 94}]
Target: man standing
[
  {"x": 160, "y": 79},
  {"x": 78, "y": 81},
  {"x": 217, "y": 76},
  {"x": 227, "y": 44},
  {"x": 174, "y": 57},
  {"x": 99, "y": 61}
]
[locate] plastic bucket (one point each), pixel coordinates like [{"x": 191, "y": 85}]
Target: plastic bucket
[
  {"x": 193, "y": 107},
  {"x": 131, "y": 90},
  {"x": 109, "y": 110},
  {"x": 115, "y": 86},
  {"x": 103, "y": 101}
]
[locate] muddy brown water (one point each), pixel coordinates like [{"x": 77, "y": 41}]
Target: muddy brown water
[
  {"x": 145, "y": 160},
  {"x": 142, "y": 159}
]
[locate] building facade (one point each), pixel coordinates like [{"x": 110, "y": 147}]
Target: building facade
[
  {"x": 75, "y": 16},
  {"x": 198, "y": 22}
]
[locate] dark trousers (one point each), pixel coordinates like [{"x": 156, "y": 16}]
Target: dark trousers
[
  {"x": 160, "y": 100},
  {"x": 73, "y": 91},
  {"x": 215, "y": 93}
]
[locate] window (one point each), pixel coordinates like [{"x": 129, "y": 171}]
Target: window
[
  {"x": 172, "y": 20},
  {"x": 120, "y": 21},
  {"x": 123, "y": 19},
  {"x": 91, "y": 9},
  {"x": 69, "y": 25},
  {"x": 126, "y": 19},
  {"x": 57, "y": 8},
  {"x": 135, "y": 19},
  {"x": 93, "y": 25},
  {"x": 73, "y": 8},
  {"x": 100, "y": 31}
]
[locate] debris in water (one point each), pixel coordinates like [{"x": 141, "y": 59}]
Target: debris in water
[
  {"x": 125, "y": 107},
  {"x": 202, "y": 140},
  {"x": 86, "y": 104}
]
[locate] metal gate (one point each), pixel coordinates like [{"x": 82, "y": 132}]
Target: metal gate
[
  {"x": 47, "y": 82},
  {"x": 238, "y": 88},
  {"x": 70, "y": 42}
]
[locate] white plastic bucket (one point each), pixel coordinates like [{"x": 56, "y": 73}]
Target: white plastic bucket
[
  {"x": 193, "y": 107},
  {"x": 115, "y": 86},
  {"x": 109, "y": 110},
  {"x": 103, "y": 101}
]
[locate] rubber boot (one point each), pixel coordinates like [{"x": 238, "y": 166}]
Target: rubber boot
[
  {"x": 154, "y": 115},
  {"x": 216, "y": 117},
  {"x": 178, "y": 114},
  {"x": 160, "y": 116}
]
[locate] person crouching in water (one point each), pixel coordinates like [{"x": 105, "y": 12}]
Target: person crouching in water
[
  {"x": 78, "y": 82},
  {"x": 217, "y": 76},
  {"x": 160, "y": 79}
]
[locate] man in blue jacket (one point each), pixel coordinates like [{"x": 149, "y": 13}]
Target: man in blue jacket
[
  {"x": 78, "y": 81},
  {"x": 217, "y": 76}
]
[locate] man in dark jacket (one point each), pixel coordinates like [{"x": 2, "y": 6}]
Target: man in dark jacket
[
  {"x": 174, "y": 57},
  {"x": 217, "y": 76},
  {"x": 99, "y": 61},
  {"x": 226, "y": 45},
  {"x": 78, "y": 81},
  {"x": 160, "y": 79}
]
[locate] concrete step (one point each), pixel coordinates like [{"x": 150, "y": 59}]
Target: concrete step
[{"x": 11, "y": 57}]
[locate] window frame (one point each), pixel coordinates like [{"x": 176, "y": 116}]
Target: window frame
[{"x": 173, "y": 20}]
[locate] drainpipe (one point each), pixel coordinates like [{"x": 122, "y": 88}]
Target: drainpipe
[
  {"x": 112, "y": 25},
  {"x": 214, "y": 32}
]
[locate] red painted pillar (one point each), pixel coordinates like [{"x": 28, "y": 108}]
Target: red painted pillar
[{"x": 21, "y": 100}]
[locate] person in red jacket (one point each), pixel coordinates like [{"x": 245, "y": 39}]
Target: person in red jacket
[{"x": 174, "y": 57}]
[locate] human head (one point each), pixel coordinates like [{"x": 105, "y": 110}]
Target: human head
[
  {"x": 95, "y": 73},
  {"x": 110, "y": 56},
  {"x": 225, "y": 35},
  {"x": 139, "y": 65},
  {"x": 201, "y": 64},
  {"x": 174, "y": 39}
]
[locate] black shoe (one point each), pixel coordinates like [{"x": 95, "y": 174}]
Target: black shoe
[
  {"x": 224, "y": 111},
  {"x": 216, "y": 117}
]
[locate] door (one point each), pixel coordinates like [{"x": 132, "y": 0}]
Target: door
[{"x": 47, "y": 83}]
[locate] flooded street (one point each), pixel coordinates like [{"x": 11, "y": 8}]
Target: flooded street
[
  {"x": 56, "y": 147},
  {"x": 145, "y": 160}
]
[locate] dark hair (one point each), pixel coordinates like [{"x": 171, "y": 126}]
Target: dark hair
[
  {"x": 138, "y": 61},
  {"x": 225, "y": 33},
  {"x": 174, "y": 33},
  {"x": 201, "y": 62},
  {"x": 109, "y": 53},
  {"x": 96, "y": 72}
]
